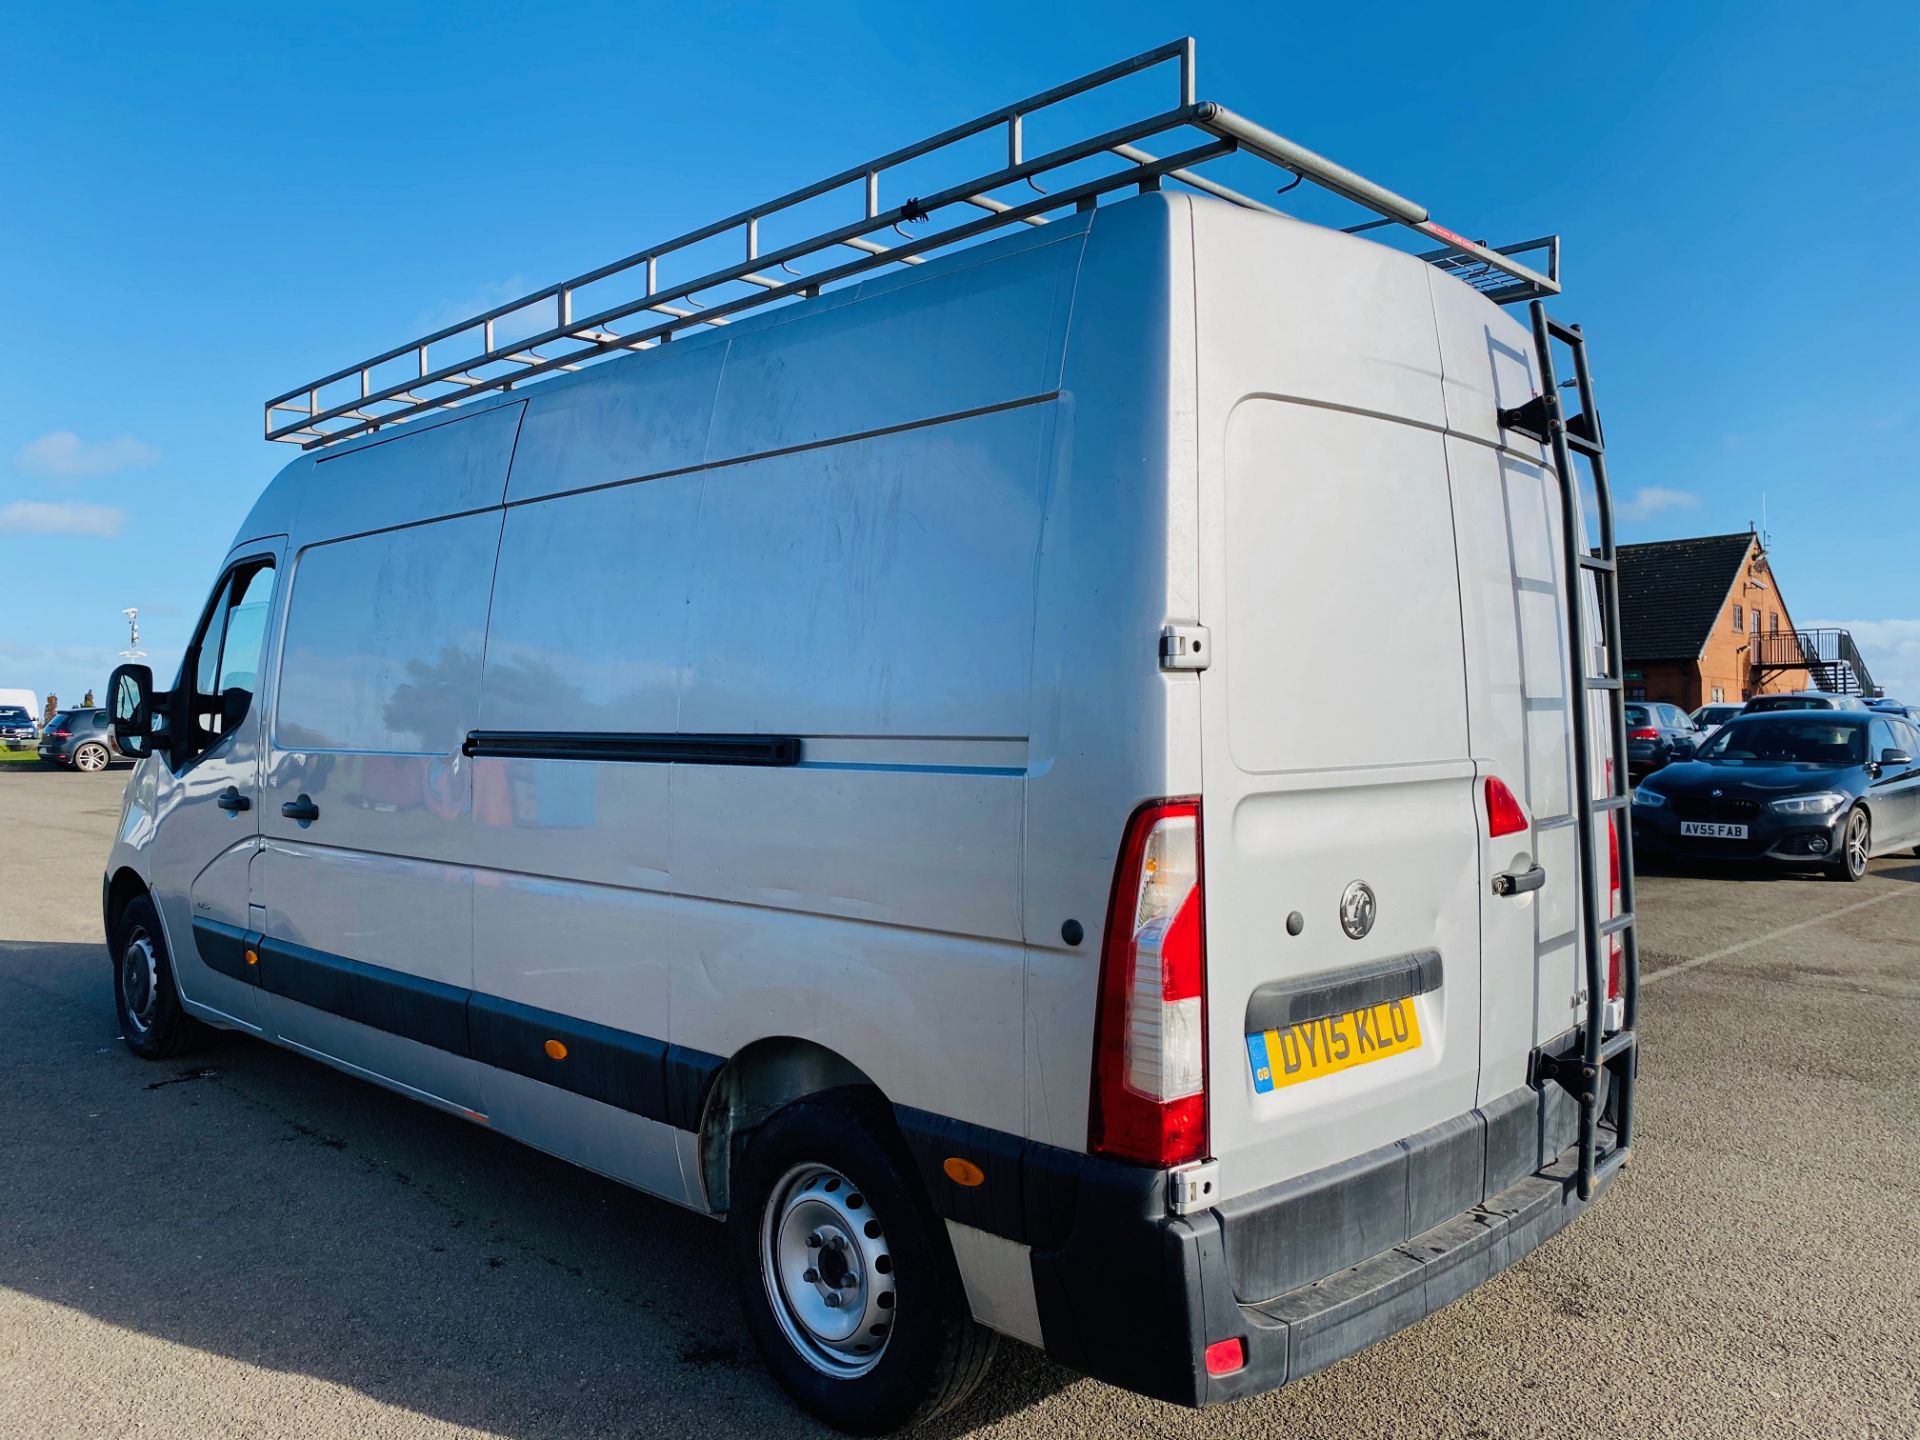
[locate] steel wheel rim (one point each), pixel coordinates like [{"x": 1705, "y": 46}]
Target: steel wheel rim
[
  {"x": 828, "y": 1271},
  {"x": 91, "y": 757},
  {"x": 139, "y": 981},
  {"x": 1857, "y": 843}
]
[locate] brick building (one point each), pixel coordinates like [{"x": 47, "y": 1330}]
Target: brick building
[{"x": 1703, "y": 620}]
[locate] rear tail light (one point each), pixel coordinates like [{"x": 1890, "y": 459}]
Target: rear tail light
[
  {"x": 1645, "y": 734},
  {"x": 1150, "y": 1031},
  {"x": 1504, "y": 815}
]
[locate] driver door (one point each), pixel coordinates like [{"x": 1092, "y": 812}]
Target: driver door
[{"x": 206, "y": 805}]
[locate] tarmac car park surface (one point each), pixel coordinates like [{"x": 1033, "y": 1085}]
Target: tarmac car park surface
[{"x": 245, "y": 1243}]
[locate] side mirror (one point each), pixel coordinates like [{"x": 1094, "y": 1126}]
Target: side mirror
[
  {"x": 1895, "y": 757},
  {"x": 130, "y": 704}
]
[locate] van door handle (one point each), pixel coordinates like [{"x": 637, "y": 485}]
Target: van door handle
[
  {"x": 1508, "y": 883},
  {"x": 232, "y": 801},
  {"x": 303, "y": 809}
]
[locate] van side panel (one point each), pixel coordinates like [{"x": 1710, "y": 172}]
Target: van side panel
[{"x": 874, "y": 599}]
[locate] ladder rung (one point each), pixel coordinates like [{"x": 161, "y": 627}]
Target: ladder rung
[
  {"x": 1612, "y": 802},
  {"x": 1616, "y": 1045},
  {"x": 1584, "y": 445},
  {"x": 1617, "y": 924},
  {"x": 1594, "y": 562},
  {"x": 1602, "y": 682}
]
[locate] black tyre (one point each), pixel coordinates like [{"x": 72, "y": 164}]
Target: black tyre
[
  {"x": 91, "y": 757},
  {"x": 843, "y": 1270},
  {"x": 1856, "y": 846},
  {"x": 152, "y": 1021}
]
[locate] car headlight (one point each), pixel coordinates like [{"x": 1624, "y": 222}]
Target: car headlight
[
  {"x": 1821, "y": 802},
  {"x": 1648, "y": 799}
]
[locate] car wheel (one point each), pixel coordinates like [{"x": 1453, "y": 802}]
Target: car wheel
[
  {"x": 152, "y": 1020},
  {"x": 1856, "y": 846},
  {"x": 90, "y": 757},
  {"x": 843, "y": 1270}
]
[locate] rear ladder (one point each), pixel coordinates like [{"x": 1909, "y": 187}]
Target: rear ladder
[{"x": 1579, "y": 1072}]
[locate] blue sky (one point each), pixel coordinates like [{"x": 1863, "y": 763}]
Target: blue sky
[{"x": 203, "y": 206}]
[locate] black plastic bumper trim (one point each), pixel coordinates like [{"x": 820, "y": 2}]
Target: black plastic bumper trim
[
  {"x": 673, "y": 749},
  {"x": 1281, "y": 1003}
]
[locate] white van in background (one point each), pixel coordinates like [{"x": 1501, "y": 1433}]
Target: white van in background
[{"x": 865, "y": 770}]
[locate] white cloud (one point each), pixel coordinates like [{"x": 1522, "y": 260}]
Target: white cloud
[
  {"x": 63, "y": 455},
  {"x": 1891, "y": 649},
  {"x": 1651, "y": 500},
  {"x": 45, "y": 517}
]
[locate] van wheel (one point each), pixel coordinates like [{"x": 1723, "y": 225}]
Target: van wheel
[
  {"x": 90, "y": 757},
  {"x": 1856, "y": 846},
  {"x": 843, "y": 1270},
  {"x": 152, "y": 1021}
]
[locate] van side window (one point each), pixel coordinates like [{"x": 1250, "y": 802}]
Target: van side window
[{"x": 224, "y": 659}]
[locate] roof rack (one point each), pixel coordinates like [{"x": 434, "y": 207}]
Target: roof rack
[{"x": 411, "y": 379}]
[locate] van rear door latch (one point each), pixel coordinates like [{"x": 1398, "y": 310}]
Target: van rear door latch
[{"x": 1185, "y": 647}]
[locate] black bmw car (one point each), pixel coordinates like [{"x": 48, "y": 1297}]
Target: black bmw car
[{"x": 1830, "y": 788}]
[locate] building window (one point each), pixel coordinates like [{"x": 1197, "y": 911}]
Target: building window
[
  {"x": 1773, "y": 623},
  {"x": 1739, "y": 619},
  {"x": 1719, "y": 695},
  {"x": 1636, "y": 692}
]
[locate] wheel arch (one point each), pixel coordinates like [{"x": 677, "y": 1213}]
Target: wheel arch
[
  {"x": 122, "y": 888},
  {"x": 757, "y": 1081}
]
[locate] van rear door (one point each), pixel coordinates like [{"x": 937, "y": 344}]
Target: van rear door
[
  {"x": 1508, "y": 535},
  {"x": 1341, "y": 835}
]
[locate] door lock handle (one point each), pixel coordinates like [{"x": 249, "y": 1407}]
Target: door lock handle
[
  {"x": 302, "y": 809},
  {"x": 1508, "y": 883},
  {"x": 232, "y": 801}
]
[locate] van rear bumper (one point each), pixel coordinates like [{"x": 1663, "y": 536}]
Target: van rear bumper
[{"x": 1134, "y": 1296}]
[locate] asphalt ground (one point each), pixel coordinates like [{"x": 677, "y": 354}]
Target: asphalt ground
[{"x": 246, "y": 1243}]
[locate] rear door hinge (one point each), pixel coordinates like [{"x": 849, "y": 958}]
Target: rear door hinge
[{"x": 1185, "y": 647}]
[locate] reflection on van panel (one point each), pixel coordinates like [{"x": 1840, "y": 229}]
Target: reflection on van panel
[{"x": 748, "y": 768}]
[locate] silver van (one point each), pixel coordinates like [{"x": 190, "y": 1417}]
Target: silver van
[{"x": 848, "y": 751}]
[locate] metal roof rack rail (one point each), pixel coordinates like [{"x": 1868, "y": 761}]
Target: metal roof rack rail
[{"x": 412, "y": 380}]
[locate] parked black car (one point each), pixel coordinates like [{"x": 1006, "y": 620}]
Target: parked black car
[
  {"x": 80, "y": 739},
  {"x": 1808, "y": 787},
  {"x": 1658, "y": 735},
  {"x": 16, "y": 727}
]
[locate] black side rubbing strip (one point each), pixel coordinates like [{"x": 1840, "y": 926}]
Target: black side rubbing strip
[
  {"x": 409, "y": 1006},
  {"x": 601, "y": 1063},
  {"x": 1280, "y": 1003},
  {"x": 636, "y": 1073},
  {"x": 224, "y": 948},
  {"x": 636, "y": 749}
]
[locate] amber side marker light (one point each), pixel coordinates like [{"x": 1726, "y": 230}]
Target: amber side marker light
[
  {"x": 555, "y": 1050},
  {"x": 253, "y": 957},
  {"x": 963, "y": 1172}
]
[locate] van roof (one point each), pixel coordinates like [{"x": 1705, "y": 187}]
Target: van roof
[{"x": 543, "y": 332}]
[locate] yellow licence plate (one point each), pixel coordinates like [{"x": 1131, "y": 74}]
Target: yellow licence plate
[{"x": 1339, "y": 1042}]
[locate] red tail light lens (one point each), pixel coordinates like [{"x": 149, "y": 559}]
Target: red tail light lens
[
  {"x": 1644, "y": 734},
  {"x": 1149, "y": 1099},
  {"x": 1226, "y": 1356},
  {"x": 1504, "y": 815}
]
